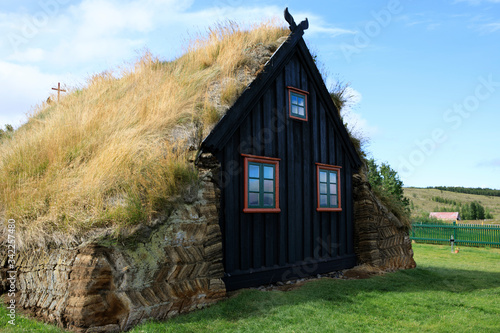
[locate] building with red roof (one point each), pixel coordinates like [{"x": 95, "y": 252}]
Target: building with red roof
[{"x": 448, "y": 216}]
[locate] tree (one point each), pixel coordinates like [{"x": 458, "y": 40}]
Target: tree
[
  {"x": 480, "y": 212},
  {"x": 465, "y": 212},
  {"x": 374, "y": 176},
  {"x": 473, "y": 211},
  {"x": 386, "y": 180},
  {"x": 391, "y": 181}
]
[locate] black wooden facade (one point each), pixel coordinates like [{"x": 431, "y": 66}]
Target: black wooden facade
[{"x": 298, "y": 240}]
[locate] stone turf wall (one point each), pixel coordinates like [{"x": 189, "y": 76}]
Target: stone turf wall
[
  {"x": 174, "y": 267},
  {"x": 380, "y": 240}
]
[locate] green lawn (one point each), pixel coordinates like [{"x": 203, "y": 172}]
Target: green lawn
[{"x": 446, "y": 293}]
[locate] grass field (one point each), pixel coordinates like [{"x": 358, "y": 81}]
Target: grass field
[
  {"x": 446, "y": 293},
  {"x": 422, "y": 201}
]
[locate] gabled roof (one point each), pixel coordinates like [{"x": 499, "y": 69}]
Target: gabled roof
[
  {"x": 233, "y": 118},
  {"x": 445, "y": 215}
]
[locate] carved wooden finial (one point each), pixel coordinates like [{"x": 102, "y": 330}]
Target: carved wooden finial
[{"x": 293, "y": 26}]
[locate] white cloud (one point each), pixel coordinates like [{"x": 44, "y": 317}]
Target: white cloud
[
  {"x": 110, "y": 29},
  {"x": 429, "y": 23},
  {"x": 100, "y": 49},
  {"x": 108, "y": 18},
  {"x": 355, "y": 98},
  {"x": 317, "y": 25},
  {"x": 356, "y": 124},
  {"x": 477, "y": 2},
  {"x": 433, "y": 26},
  {"x": 209, "y": 16},
  {"x": 490, "y": 27},
  {"x": 494, "y": 163},
  {"x": 64, "y": 29},
  {"x": 30, "y": 55},
  {"x": 22, "y": 88},
  {"x": 359, "y": 126},
  {"x": 333, "y": 32}
]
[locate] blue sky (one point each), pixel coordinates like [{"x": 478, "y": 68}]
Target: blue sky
[{"x": 425, "y": 75}]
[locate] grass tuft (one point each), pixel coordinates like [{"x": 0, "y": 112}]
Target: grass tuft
[
  {"x": 231, "y": 91},
  {"x": 394, "y": 205}
]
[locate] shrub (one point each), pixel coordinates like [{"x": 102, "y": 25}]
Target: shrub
[{"x": 388, "y": 187}]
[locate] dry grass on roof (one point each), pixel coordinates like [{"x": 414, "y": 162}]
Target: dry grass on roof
[{"x": 113, "y": 153}]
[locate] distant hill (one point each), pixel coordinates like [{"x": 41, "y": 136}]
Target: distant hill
[
  {"x": 468, "y": 190},
  {"x": 422, "y": 201}
]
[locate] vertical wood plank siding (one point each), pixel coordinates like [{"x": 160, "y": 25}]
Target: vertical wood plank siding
[{"x": 298, "y": 241}]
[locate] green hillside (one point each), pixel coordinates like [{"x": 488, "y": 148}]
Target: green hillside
[{"x": 422, "y": 203}]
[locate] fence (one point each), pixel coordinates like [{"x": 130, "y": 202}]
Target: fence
[{"x": 463, "y": 234}]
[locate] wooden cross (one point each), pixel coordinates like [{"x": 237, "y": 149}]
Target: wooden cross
[{"x": 58, "y": 90}]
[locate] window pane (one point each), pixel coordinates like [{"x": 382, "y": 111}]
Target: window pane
[
  {"x": 333, "y": 177},
  {"x": 268, "y": 172},
  {"x": 295, "y": 109},
  {"x": 301, "y": 101},
  {"x": 253, "y": 199},
  {"x": 322, "y": 188},
  {"x": 333, "y": 201},
  {"x": 322, "y": 176},
  {"x": 322, "y": 200},
  {"x": 333, "y": 188},
  {"x": 302, "y": 111},
  {"x": 268, "y": 186},
  {"x": 253, "y": 171},
  {"x": 294, "y": 99},
  {"x": 253, "y": 185},
  {"x": 268, "y": 200}
]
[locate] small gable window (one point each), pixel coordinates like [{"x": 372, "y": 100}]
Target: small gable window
[
  {"x": 328, "y": 187},
  {"x": 261, "y": 184},
  {"x": 297, "y": 101}
]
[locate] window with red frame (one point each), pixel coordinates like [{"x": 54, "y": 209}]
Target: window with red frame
[
  {"x": 328, "y": 187},
  {"x": 297, "y": 103},
  {"x": 261, "y": 184}
]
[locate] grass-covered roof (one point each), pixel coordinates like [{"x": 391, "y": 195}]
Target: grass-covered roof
[{"x": 114, "y": 153}]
